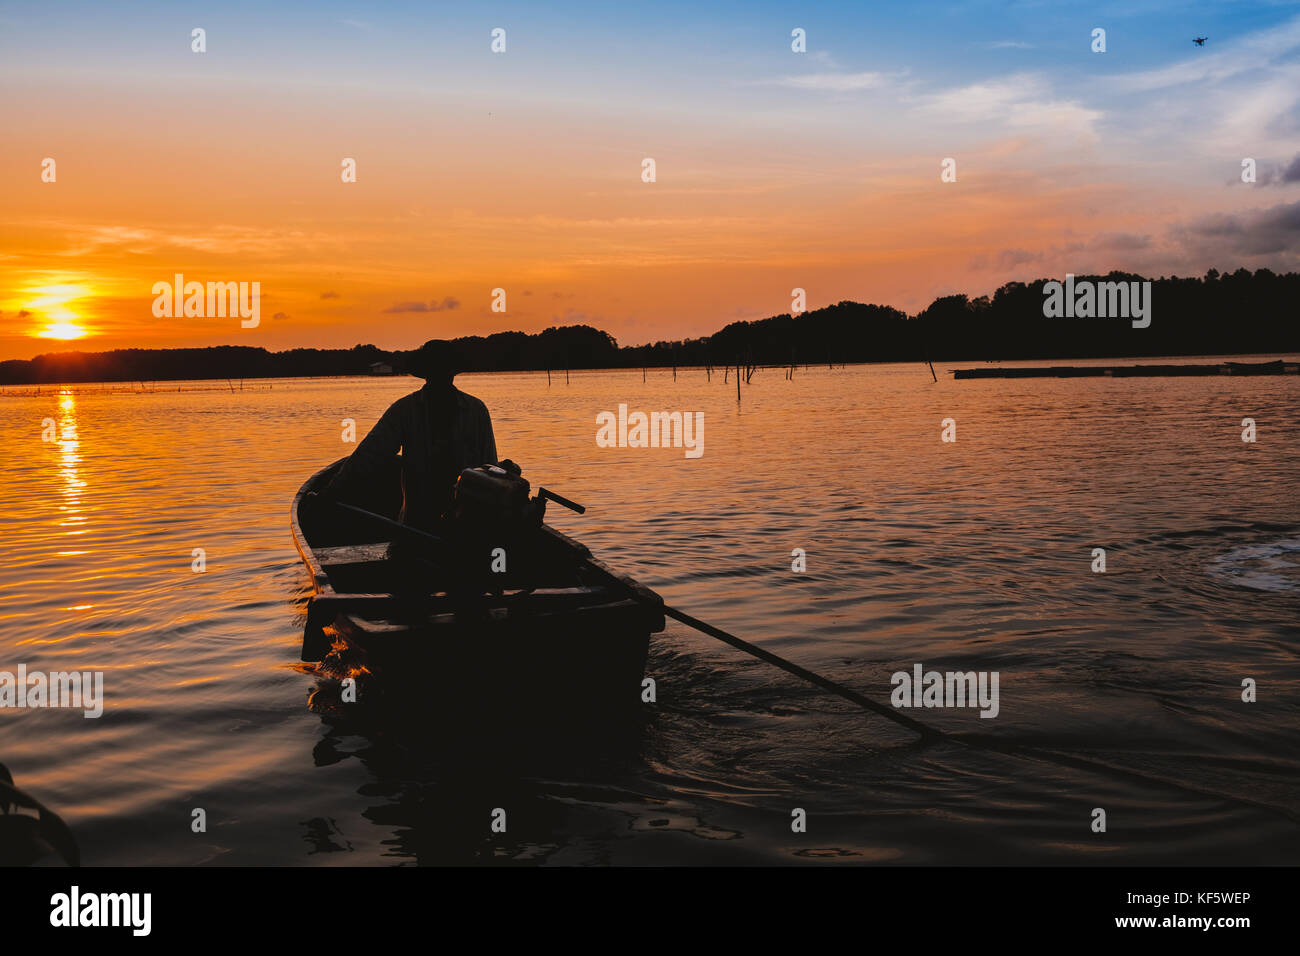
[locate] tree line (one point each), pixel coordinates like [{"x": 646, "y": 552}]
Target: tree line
[{"x": 1217, "y": 314}]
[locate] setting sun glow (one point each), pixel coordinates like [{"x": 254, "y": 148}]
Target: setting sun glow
[
  {"x": 61, "y": 330},
  {"x": 51, "y": 308}
]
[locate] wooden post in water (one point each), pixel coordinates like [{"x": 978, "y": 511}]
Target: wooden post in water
[
  {"x": 925, "y": 352},
  {"x": 548, "y": 378}
]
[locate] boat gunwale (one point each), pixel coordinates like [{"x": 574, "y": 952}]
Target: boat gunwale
[
  {"x": 323, "y": 586},
  {"x": 320, "y": 580}
]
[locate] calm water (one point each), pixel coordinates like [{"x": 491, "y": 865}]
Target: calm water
[{"x": 967, "y": 556}]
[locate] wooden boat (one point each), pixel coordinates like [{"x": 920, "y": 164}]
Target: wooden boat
[
  {"x": 559, "y": 634},
  {"x": 27, "y": 840}
]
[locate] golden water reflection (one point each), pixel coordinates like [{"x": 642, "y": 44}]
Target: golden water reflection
[{"x": 70, "y": 465}]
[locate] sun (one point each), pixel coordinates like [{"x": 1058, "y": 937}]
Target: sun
[
  {"x": 62, "y": 330},
  {"x": 51, "y": 308}
]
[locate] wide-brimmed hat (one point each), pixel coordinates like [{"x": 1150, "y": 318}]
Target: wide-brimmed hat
[{"x": 433, "y": 359}]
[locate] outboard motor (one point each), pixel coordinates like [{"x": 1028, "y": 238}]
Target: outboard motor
[
  {"x": 492, "y": 510},
  {"x": 492, "y": 497}
]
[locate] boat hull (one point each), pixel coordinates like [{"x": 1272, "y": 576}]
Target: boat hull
[{"x": 562, "y": 638}]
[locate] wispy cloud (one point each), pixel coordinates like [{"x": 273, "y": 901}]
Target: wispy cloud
[
  {"x": 824, "y": 59},
  {"x": 837, "y": 82},
  {"x": 1249, "y": 53},
  {"x": 446, "y": 305},
  {"x": 86, "y": 240},
  {"x": 1243, "y": 99},
  {"x": 1022, "y": 101},
  {"x": 1292, "y": 173}
]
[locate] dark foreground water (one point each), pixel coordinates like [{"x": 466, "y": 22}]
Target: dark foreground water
[{"x": 973, "y": 555}]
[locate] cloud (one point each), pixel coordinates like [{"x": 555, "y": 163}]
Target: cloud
[
  {"x": 1010, "y": 258},
  {"x": 1244, "y": 97},
  {"x": 1277, "y": 174},
  {"x": 280, "y": 315},
  {"x": 574, "y": 316},
  {"x": 1247, "y": 54},
  {"x": 1121, "y": 240},
  {"x": 1022, "y": 101},
  {"x": 1005, "y": 260},
  {"x": 1257, "y": 232},
  {"x": 1009, "y": 45},
  {"x": 446, "y": 305},
  {"x": 96, "y": 238},
  {"x": 1078, "y": 254},
  {"x": 88, "y": 240},
  {"x": 837, "y": 82},
  {"x": 330, "y": 295}
]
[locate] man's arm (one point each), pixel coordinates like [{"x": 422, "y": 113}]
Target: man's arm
[
  {"x": 489, "y": 439},
  {"x": 379, "y": 446}
]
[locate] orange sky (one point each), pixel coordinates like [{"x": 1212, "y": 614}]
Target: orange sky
[{"x": 220, "y": 175}]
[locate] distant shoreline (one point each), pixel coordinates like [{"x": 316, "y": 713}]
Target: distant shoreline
[
  {"x": 262, "y": 384},
  {"x": 1239, "y": 313}
]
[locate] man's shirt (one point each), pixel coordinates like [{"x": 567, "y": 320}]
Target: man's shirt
[{"x": 439, "y": 436}]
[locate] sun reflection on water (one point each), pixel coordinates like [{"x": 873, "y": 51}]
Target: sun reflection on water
[{"x": 70, "y": 465}]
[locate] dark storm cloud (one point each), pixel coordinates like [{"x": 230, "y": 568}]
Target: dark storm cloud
[{"x": 1256, "y": 232}]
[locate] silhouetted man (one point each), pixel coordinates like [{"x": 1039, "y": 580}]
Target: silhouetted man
[{"x": 440, "y": 431}]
